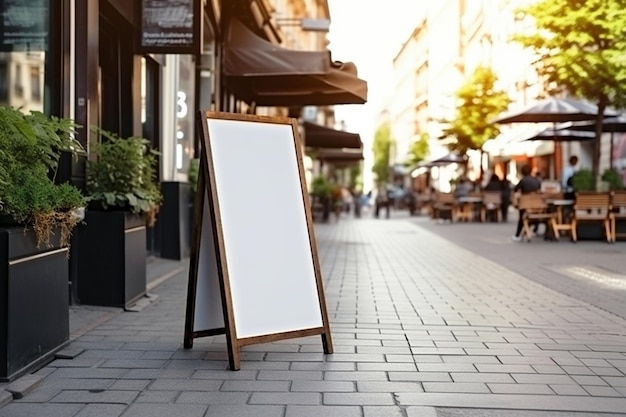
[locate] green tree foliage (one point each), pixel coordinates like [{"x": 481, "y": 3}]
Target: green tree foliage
[
  {"x": 355, "y": 176},
  {"x": 382, "y": 148},
  {"x": 478, "y": 101},
  {"x": 418, "y": 150},
  {"x": 581, "y": 48}
]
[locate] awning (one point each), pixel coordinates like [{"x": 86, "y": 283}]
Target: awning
[
  {"x": 258, "y": 71},
  {"x": 317, "y": 136},
  {"x": 340, "y": 156},
  {"x": 249, "y": 55}
]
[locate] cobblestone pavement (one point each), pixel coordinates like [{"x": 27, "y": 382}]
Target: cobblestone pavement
[{"x": 426, "y": 321}]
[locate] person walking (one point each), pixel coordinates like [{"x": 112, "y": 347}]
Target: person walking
[
  {"x": 528, "y": 184},
  {"x": 382, "y": 201},
  {"x": 568, "y": 173}
]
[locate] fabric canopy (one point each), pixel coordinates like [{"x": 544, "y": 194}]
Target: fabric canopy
[
  {"x": 317, "y": 136},
  {"x": 340, "y": 155},
  {"x": 553, "y": 110},
  {"x": 563, "y": 135},
  {"x": 451, "y": 158},
  {"x": 248, "y": 55},
  {"x": 257, "y": 71}
]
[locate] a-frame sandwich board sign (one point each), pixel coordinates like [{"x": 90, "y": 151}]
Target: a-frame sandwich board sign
[{"x": 254, "y": 269}]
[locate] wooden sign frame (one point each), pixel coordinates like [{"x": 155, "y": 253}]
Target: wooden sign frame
[{"x": 254, "y": 270}]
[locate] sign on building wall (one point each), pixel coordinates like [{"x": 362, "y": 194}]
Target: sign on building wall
[
  {"x": 170, "y": 26},
  {"x": 24, "y": 25}
]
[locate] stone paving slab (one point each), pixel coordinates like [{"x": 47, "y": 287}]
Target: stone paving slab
[{"x": 419, "y": 323}]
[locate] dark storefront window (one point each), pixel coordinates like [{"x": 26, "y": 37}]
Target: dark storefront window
[
  {"x": 31, "y": 54},
  {"x": 4, "y": 81}
]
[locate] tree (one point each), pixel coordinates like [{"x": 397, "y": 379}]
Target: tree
[
  {"x": 581, "y": 47},
  {"x": 382, "y": 148},
  {"x": 418, "y": 150},
  {"x": 478, "y": 102}
]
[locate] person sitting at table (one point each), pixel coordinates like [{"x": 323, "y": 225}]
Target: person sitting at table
[
  {"x": 463, "y": 188},
  {"x": 495, "y": 184},
  {"x": 528, "y": 184}
]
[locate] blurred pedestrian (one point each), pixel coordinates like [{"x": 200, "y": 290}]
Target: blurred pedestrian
[
  {"x": 567, "y": 175},
  {"x": 494, "y": 183},
  {"x": 463, "y": 187},
  {"x": 382, "y": 201}
]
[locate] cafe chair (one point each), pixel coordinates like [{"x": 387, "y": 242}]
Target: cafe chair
[
  {"x": 618, "y": 212},
  {"x": 491, "y": 204},
  {"x": 444, "y": 206},
  {"x": 535, "y": 211},
  {"x": 592, "y": 207},
  {"x": 561, "y": 207}
]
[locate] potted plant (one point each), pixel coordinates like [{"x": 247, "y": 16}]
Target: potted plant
[
  {"x": 38, "y": 217},
  {"x": 124, "y": 198},
  {"x": 583, "y": 180},
  {"x": 613, "y": 178},
  {"x": 321, "y": 190},
  {"x": 30, "y": 148}
]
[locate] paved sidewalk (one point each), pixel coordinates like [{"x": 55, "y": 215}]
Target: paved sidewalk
[{"x": 421, "y": 327}]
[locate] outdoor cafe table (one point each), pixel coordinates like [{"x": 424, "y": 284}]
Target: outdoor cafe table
[{"x": 470, "y": 206}]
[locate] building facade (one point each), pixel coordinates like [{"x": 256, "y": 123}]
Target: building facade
[
  {"x": 448, "y": 43},
  {"x": 147, "y": 68}
]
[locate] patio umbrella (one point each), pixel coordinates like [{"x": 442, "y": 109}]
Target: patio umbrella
[
  {"x": 614, "y": 124},
  {"x": 451, "y": 158},
  {"x": 563, "y": 135},
  {"x": 553, "y": 110}
]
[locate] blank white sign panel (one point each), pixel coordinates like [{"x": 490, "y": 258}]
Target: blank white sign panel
[
  {"x": 268, "y": 255},
  {"x": 208, "y": 307}
]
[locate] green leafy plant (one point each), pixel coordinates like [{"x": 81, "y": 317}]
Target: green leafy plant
[
  {"x": 321, "y": 187},
  {"x": 123, "y": 175},
  {"x": 583, "y": 180},
  {"x": 30, "y": 148},
  {"x": 613, "y": 178},
  {"x": 193, "y": 172}
]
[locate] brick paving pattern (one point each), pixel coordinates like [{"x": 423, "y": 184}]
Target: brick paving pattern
[{"x": 421, "y": 326}]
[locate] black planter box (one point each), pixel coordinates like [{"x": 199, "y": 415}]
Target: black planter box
[
  {"x": 590, "y": 231},
  {"x": 110, "y": 253},
  {"x": 34, "y": 302},
  {"x": 174, "y": 221}
]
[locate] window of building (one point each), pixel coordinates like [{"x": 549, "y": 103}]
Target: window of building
[
  {"x": 35, "y": 83},
  {"x": 32, "y": 55},
  {"x": 18, "y": 85}
]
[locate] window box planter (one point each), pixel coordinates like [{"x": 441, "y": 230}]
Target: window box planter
[
  {"x": 110, "y": 253},
  {"x": 34, "y": 301}
]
